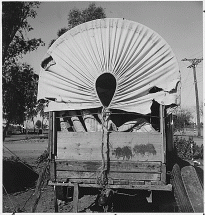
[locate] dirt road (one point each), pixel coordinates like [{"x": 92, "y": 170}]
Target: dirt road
[{"x": 27, "y": 150}]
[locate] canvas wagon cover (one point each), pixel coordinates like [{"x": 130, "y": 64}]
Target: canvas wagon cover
[{"x": 135, "y": 55}]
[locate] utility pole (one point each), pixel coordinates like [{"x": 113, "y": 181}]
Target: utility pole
[{"x": 194, "y": 63}]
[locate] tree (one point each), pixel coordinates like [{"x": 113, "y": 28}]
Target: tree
[
  {"x": 40, "y": 109},
  {"x": 38, "y": 125},
  {"x": 77, "y": 17},
  {"x": 31, "y": 113},
  {"x": 19, "y": 93},
  {"x": 182, "y": 118},
  {"x": 18, "y": 80},
  {"x": 201, "y": 109},
  {"x": 14, "y": 25}
]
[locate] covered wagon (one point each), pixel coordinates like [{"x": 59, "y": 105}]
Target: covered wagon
[{"x": 110, "y": 84}]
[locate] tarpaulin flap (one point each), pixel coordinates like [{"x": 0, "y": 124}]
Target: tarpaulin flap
[{"x": 137, "y": 57}]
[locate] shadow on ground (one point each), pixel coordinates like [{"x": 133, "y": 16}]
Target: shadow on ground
[{"x": 17, "y": 176}]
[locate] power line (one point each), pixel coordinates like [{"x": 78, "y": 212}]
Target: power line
[
  {"x": 194, "y": 62},
  {"x": 199, "y": 53}
]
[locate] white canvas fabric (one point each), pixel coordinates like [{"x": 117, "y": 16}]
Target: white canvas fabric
[{"x": 135, "y": 55}]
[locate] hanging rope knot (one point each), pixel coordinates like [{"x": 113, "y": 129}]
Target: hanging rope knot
[
  {"x": 102, "y": 178},
  {"x": 106, "y": 114}
]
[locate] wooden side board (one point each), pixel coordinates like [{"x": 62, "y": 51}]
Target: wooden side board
[
  {"x": 114, "y": 166},
  {"x": 135, "y": 185},
  {"x": 62, "y": 175},
  {"x": 121, "y": 146},
  {"x": 120, "y": 172},
  {"x": 130, "y": 158}
]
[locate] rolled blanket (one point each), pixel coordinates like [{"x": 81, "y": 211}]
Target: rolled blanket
[
  {"x": 76, "y": 122},
  {"x": 91, "y": 123},
  {"x": 127, "y": 126},
  {"x": 65, "y": 125},
  {"x": 146, "y": 127}
]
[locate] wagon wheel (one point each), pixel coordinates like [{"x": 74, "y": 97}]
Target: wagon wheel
[
  {"x": 180, "y": 194},
  {"x": 193, "y": 188}
]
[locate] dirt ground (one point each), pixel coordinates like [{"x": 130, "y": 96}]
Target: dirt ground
[{"x": 22, "y": 200}]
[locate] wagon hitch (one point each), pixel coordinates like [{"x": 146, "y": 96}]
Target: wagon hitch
[{"x": 105, "y": 198}]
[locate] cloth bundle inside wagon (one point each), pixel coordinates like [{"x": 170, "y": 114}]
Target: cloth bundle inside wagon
[{"x": 91, "y": 121}]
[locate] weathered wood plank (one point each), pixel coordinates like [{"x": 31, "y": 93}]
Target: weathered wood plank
[
  {"x": 52, "y": 170},
  {"x": 162, "y": 187},
  {"x": 163, "y": 175},
  {"x": 112, "y": 175},
  {"x": 137, "y": 146},
  {"x": 50, "y": 135},
  {"x": 54, "y": 137},
  {"x": 115, "y": 166},
  {"x": 75, "y": 198}
]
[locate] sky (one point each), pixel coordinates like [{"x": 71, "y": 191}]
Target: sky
[{"x": 180, "y": 23}]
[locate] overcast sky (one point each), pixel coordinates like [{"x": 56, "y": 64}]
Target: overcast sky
[{"x": 180, "y": 23}]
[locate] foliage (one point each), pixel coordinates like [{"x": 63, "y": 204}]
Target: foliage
[
  {"x": 38, "y": 124},
  {"x": 43, "y": 157},
  {"x": 13, "y": 159},
  {"x": 187, "y": 149},
  {"x": 201, "y": 107},
  {"x": 40, "y": 108},
  {"x": 77, "y": 17},
  {"x": 19, "y": 80},
  {"x": 15, "y": 129},
  {"x": 14, "y": 26},
  {"x": 19, "y": 92},
  {"x": 181, "y": 118}
]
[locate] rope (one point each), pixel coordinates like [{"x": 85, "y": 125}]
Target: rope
[
  {"x": 19, "y": 159},
  {"x": 44, "y": 175},
  {"x": 102, "y": 179},
  {"x": 40, "y": 184},
  {"x": 26, "y": 202},
  {"x": 28, "y": 168}
]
